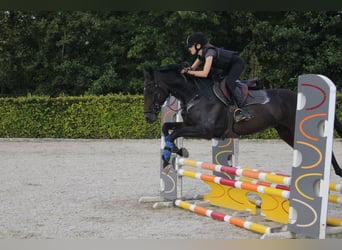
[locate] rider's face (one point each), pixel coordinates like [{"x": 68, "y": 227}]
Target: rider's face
[{"x": 192, "y": 50}]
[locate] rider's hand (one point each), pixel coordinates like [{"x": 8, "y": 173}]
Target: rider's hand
[{"x": 185, "y": 70}]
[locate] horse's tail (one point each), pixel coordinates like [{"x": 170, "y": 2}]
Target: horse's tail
[{"x": 338, "y": 126}]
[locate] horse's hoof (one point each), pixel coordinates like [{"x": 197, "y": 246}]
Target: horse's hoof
[
  {"x": 185, "y": 152},
  {"x": 168, "y": 169}
]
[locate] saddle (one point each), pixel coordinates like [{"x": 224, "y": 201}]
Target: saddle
[{"x": 246, "y": 86}]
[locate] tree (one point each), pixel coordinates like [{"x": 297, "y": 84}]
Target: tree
[
  {"x": 289, "y": 44},
  {"x": 100, "y": 52}
]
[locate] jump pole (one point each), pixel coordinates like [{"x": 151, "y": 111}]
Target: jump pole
[
  {"x": 254, "y": 173},
  {"x": 258, "y": 228}
]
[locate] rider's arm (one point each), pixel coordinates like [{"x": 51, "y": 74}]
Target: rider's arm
[
  {"x": 206, "y": 68},
  {"x": 196, "y": 63}
]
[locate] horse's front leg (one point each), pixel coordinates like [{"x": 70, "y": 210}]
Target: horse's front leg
[
  {"x": 170, "y": 146},
  {"x": 180, "y": 129}
]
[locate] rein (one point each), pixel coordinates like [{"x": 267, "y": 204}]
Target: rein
[
  {"x": 169, "y": 106},
  {"x": 156, "y": 107}
]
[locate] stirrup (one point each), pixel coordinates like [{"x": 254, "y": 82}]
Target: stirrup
[{"x": 241, "y": 116}]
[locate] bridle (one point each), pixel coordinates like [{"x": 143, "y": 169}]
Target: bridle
[{"x": 156, "y": 107}]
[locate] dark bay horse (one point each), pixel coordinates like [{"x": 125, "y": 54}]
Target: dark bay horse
[{"x": 205, "y": 116}]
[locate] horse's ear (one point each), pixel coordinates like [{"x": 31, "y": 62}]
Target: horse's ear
[{"x": 147, "y": 73}]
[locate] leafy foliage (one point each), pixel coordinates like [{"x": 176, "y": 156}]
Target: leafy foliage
[{"x": 77, "y": 53}]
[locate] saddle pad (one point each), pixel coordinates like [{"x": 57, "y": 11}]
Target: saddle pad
[
  {"x": 218, "y": 92},
  {"x": 257, "y": 97}
]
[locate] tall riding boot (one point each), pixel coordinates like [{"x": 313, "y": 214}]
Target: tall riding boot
[{"x": 243, "y": 115}]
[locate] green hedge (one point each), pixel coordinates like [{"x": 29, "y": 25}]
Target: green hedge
[{"x": 111, "y": 116}]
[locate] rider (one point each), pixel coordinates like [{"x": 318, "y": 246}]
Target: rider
[{"x": 226, "y": 60}]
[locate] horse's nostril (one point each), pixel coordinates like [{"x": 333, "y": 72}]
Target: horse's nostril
[
  {"x": 148, "y": 119},
  {"x": 151, "y": 118}
]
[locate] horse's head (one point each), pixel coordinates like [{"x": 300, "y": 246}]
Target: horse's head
[
  {"x": 158, "y": 85},
  {"x": 154, "y": 96}
]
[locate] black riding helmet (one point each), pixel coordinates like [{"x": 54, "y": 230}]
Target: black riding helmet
[{"x": 196, "y": 38}]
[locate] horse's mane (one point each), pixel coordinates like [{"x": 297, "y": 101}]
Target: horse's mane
[
  {"x": 174, "y": 67},
  {"x": 171, "y": 67}
]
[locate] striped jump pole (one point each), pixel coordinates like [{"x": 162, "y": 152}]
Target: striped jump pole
[
  {"x": 335, "y": 187},
  {"x": 331, "y": 221},
  {"x": 332, "y": 198},
  {"x": 265, "y": 178},
  {"x": 234, "y": 194},
  {"x": 255, "y": 174},
  {"x": 267, "y": 184},
  {"x": 236, "y": 184},
  {"x": 332, "y": 185},
  {"x": 334, "y": 221},
  {"x": 258, "y": 228}
]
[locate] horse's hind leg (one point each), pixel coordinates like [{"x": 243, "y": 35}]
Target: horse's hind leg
[
  {"x": 337, "y": 168},
  {"x": 286, "y": 135},
  {"x": 338, "y": 128}
]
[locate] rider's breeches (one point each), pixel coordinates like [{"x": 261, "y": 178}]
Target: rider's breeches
[{"x": 234, "y": 72}]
